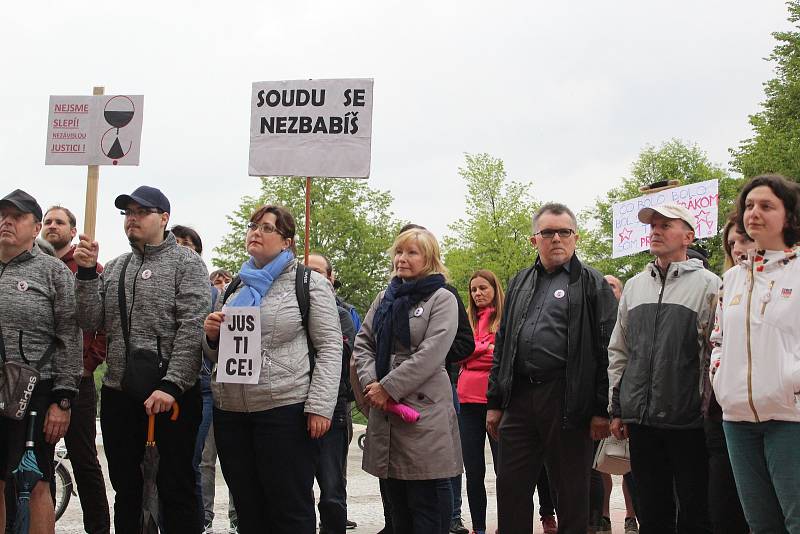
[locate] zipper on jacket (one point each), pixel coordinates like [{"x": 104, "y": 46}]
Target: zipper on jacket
[
  {"x": 752, "y": 280},
  {"x": 566, "y": 367},
  {"x": 663, "y": 277},
  {"x": 767, "y": 298}
]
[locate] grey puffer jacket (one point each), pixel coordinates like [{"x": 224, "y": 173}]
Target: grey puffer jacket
[
  {"x": 285, "y": 367},
  {"x": 168, "y": 297},
  {"x": 37, "y": 309}
]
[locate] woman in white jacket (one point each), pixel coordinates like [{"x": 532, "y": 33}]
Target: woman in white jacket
[{"x": 755, "y": 363}]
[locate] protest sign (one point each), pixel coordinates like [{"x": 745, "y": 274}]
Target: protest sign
[
  {"x": 239, "y": 360},
  {"x": 631, "y": 236},
  {"x": 311, "y": 128},
  {"x": 94, "y": 130}
]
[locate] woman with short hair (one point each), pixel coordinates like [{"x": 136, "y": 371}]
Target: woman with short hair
[
  {"x": 400, "y": 355},
  {"x": 267, "y": 434},
  {"x": 755, "y": 363}
]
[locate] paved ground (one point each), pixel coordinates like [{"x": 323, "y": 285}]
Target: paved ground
[{"x": 364, "y": 502}]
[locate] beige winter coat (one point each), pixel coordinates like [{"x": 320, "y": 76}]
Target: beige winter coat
[{"x": 431, "y": 447}]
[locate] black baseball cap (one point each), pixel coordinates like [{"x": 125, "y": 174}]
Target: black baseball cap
[
  {"x": 23, "y": 202},
  {"x": 145, "y": 196}
]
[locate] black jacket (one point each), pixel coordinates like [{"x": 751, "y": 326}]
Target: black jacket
[
  {"x": 592, "y": 313},
  {"x": 464, "y": 344}
]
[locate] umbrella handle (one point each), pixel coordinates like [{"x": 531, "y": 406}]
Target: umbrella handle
[
  {"x": 176, "y": 410},
  {"x": 151, "y": 430},
  {"x": 31, "y": 428}
]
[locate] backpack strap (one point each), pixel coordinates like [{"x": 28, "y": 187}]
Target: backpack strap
[
  {"x": 123, "y": 305},
  {"x": 230, "y": 288},
  {"x": 302, "y": 284}
]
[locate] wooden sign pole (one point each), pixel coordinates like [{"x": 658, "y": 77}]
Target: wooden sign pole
[
  {"x": 92, "y": 182},
  {"x": 308, "y": 219}
]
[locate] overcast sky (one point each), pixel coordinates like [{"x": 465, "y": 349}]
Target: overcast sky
[{"x": 566, "y": 93}]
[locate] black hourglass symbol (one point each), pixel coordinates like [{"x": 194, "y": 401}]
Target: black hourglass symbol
[{"x": 118, "y": 112}]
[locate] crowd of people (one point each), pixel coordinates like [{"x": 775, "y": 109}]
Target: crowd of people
[{"x": 700, "y": 375}]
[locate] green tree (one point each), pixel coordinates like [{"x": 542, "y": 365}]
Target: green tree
[
  {"x": 674, "y": 159},
  {"x": 495, "y": 233},
  {"x": 775, "y": 146},
  {"x": 351, "y": 224}
]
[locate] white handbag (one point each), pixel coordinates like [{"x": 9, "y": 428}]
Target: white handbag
[{"x": 613, "y": 456}]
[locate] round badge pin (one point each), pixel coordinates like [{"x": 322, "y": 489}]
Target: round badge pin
[
  {"x": 418, "y": 311},
  {"x": 146, "y": 274},
  {"x": 22, "y": 285},
  {"x": 559, "y": 293}
]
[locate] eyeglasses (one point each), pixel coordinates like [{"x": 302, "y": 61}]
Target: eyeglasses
[
  {"x": 562, "y": 233},
  {"x": 139, "y": 212},
  {"x": 264, "y": 228}
]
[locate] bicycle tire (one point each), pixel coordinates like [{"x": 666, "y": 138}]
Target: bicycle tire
[
  {"x": 63, "y": 480},
  {"x": 361, "y": 439}
]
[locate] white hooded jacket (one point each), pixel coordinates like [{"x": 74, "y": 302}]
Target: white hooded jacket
[{"x": 755, "y": 362}]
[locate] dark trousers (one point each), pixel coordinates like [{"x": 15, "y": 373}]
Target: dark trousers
[
  {"x": 724, "y": 507},
  {"x": 331, "y": 475},
  {"x": 269, "y": 462},
  {"x": 666, "y": 464},
  {"x": 200, "y": 443},
  {"x": 124, "y": 424},
  {"x": 473, "y": 443},
  {"x": 531, "y": 435},
  {"x": 417, "y": 506},
  {"x": 80, "y": 441}
]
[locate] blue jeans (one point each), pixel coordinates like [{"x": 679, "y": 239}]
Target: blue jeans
[
  {"x": 330, "y": 475},
  {"x": 455, "y": 482},
  {"x": 766, "y": 465},
  {"x": 417, "y": 506},
  {"x": 202, "y": 433}
]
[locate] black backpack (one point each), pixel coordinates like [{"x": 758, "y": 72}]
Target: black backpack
[{"x": 301, "y": 288}]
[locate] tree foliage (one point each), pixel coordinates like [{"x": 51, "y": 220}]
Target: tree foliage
[
  {"x": 494, "y": 234},
  {"x": 775, "y": 146},
  {"x": 351, "y": 224},
  {"x": 674, "y": 159}
]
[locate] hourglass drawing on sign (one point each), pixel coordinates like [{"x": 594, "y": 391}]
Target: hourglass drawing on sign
[{"x": 118, "y": 113}]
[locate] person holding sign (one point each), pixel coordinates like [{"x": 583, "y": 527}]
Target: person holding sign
[
  {"x": 400, "y": 356},
  {"x": 37, "y": 328},
  {"x": 755, "y": 364},
  {"x": 151, "y": 303},
  {"x": 276, "y": 382}
]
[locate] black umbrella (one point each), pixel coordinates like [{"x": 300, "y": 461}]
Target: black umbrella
[
  {"x": 149, "y": 519},
  {"x": 26, "y": 475}
]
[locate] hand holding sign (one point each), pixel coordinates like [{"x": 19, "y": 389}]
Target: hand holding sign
[{"x": 239, "y": 360}]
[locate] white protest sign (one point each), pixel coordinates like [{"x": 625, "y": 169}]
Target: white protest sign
[
  {"x": 631, "y": 236},
  {"x": 311, "y": 128},
  {"x": 94, "y": 130},
  {"x": 239, "y": 360}
]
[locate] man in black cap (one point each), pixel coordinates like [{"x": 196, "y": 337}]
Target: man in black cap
[
  {"x": 156, "y": 319},
  {"x": 38, "y": 327}
]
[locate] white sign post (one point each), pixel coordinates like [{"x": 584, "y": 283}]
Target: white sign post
[
  {"x": 94, "y": 130},
  {"x": 239, "y": 360},
  {"x": 311, "y": 128},
  {"x": 631, "y": 236}
]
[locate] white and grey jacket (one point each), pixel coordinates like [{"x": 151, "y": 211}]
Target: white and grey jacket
[
  {"x": 656, "y": 356},
  {"x": 285, "y": 368},
  {"x": 37, "y": 311},
  {"x": 168, "y": 297}
]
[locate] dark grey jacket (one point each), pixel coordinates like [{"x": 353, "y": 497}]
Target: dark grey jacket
[
  {"x": 657, "y": 351},
  {"x": 37, "y": 310},
  {"x": 168, "y": 297}
]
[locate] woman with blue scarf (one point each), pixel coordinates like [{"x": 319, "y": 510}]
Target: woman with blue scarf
[
  {"x": 268, "y": 433},
  {"x": 400, "y": 355}
]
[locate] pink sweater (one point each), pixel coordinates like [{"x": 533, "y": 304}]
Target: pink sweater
[{"x": 473, "y": 379}]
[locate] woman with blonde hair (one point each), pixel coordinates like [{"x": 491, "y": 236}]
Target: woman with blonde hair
[{"x": 400, "y": 355}]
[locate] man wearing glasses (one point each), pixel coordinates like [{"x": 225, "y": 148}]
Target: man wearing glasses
[
  {"x": 548, "y": 387},
  {"x": 153, "y": 356}
]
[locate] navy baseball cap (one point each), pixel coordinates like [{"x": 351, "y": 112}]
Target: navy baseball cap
[
  {"x": 23, "y": 202},
  {"x": 145, "y": 196}
]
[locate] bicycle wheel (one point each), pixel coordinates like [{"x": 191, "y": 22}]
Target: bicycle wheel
[
  {"x": 63, "y": 480},
  {"x": 361, "y": 439}
]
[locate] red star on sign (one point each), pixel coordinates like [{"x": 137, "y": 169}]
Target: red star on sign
[{"x": 625, "y": 234}]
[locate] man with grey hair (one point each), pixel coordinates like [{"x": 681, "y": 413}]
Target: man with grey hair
[{"x": 548, "y": 387}]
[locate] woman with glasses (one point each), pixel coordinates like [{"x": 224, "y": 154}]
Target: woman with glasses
[
  {"x": 267, "y": 433},
  {"x": 400, "y": 355},
  {"x": 755, "y": 363}
]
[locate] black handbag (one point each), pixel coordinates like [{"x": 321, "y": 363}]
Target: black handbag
[
  {"x": 144, "y": 368},
  {"x": 18, "y": 380}
]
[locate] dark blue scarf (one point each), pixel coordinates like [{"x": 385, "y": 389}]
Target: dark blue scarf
[{"x": 391, "y": 318}]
